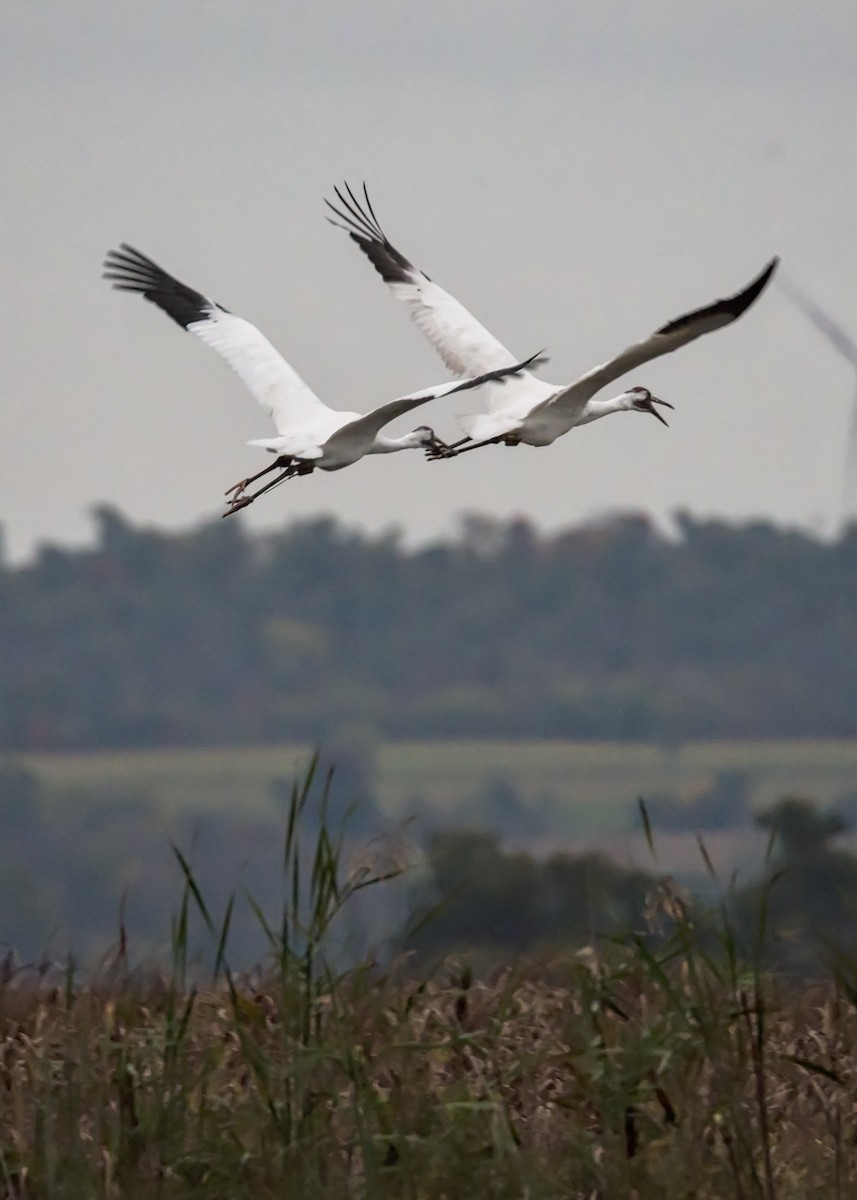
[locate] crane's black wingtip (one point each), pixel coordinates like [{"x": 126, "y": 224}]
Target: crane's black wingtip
[
  {"x": 539, "y": 359},
  {"x": 361, "y": 224},
  {"x": 126, "y": 260},
  {"x": 129, "y": 270},
  {"x": 755, "y": 286},
  {"x": 742, "y": 301},
  {"x": 722, "y": 312}
]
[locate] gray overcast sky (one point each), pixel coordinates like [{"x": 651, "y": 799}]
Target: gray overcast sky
[{"x": 576, "y": 173}]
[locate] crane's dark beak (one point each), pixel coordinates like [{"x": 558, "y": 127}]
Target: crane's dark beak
[{"x": 650, "y": 407}]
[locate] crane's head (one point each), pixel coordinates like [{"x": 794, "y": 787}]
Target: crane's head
[{"x": 640, "y": 399}]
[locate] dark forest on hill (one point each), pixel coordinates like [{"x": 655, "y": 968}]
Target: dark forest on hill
[{"x": 608, "y": 630}]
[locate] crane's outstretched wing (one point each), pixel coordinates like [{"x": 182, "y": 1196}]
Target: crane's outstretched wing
[
  {"x": 669, "y": 337},
  {"x": 368, "y": 426},
  {"x": 465, "y": 346},
  {"x": 262, "y": 369}
]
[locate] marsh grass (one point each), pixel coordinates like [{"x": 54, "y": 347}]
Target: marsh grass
[{"x": 661, "y": 1064}]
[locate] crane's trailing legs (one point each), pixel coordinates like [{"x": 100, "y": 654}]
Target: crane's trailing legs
[
  {"x": 291, "y": 468},
  {"x": 438, "y": 449},
  {"x": 283, "y": 461},
  {"x": 453, "y": 451}
]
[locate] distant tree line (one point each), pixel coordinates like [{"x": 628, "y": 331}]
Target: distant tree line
[{"x": 607, "y": 630}]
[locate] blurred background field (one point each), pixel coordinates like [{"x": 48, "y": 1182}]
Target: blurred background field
[
  {"x": 89, "y": 832},
  {"x": 590, "y": 788}
]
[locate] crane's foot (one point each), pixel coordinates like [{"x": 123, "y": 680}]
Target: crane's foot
[
  {"x": 237, "y": 503},
  {"x": 438, "y": 452},
  {"x": 236, "y": 490}
]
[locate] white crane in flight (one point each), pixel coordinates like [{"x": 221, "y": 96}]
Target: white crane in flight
[
  {"x": 528, "y": 410},
  {"x": 309, "y": 433}
]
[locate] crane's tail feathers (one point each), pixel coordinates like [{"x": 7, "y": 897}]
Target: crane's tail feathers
[
  {"x": 475, "y": 426},
  {"x": 485, "y": 426},
  {"x": 467, "y": 421},
  {"x": 293, "y": 446}
]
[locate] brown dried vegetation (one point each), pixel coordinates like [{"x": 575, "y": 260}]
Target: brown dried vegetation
[{"x": 591, "y": 1079}]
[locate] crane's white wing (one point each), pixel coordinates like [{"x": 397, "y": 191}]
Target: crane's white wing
[
  {"x": 364, "y": 429},
  {"x": 262, "y": 369},
  {"x": 669, "y": 337},
  {"x": 465, "y": 346}
]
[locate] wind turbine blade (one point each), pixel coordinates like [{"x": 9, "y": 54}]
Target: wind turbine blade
[
  {"x": 849, "y": 497},
  {"x": 847, "y": 348},
  {"x": 834, "y": 333}
]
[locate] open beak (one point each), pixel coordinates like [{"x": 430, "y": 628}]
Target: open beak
[
  {"x": 650, "y": 407},
  {"x": 435, "y": 446}
]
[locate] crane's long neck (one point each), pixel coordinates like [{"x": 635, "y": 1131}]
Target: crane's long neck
[
  {"x": 594, "y": 409},
  {"x": 388, "y": 445}
]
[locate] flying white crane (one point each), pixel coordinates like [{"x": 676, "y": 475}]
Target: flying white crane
[
  {"x": 309, "y": 434},
  {"x": 529, "y": 410},
  {"x": 847, "y": 347}
]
